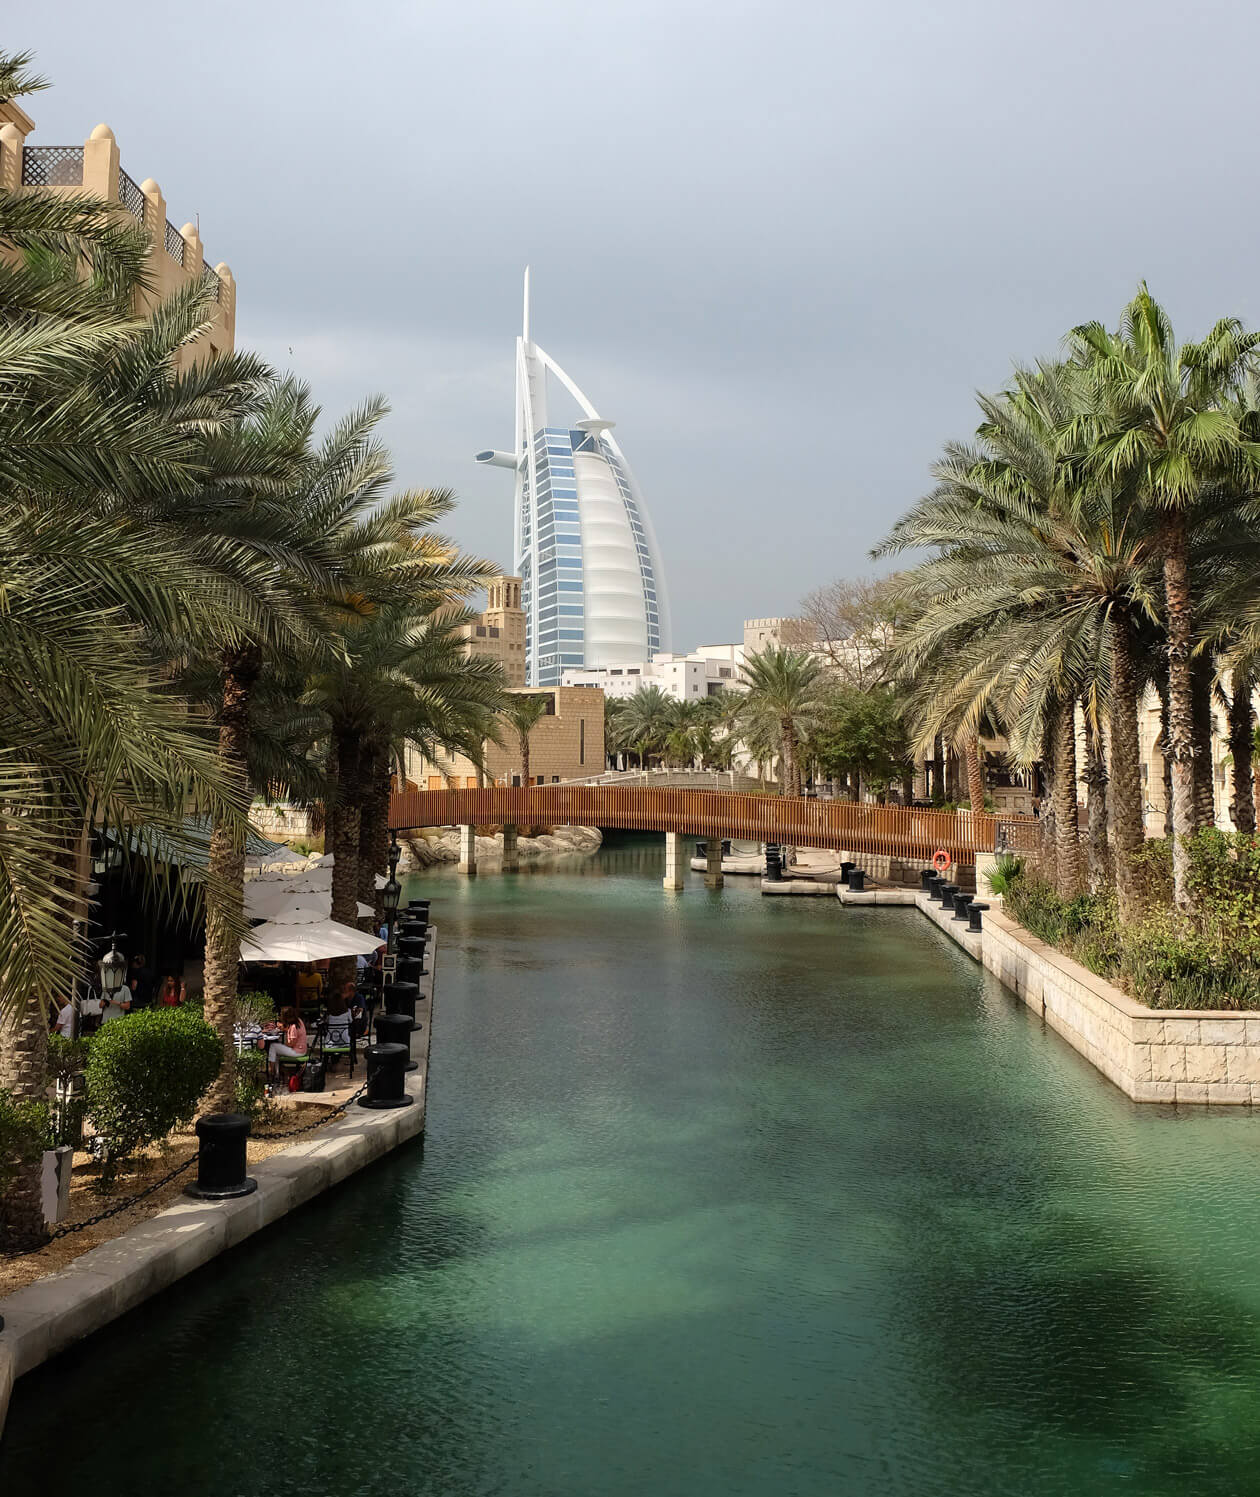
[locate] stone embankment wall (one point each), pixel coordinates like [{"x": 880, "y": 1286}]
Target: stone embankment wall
[{"x": 1152, "y": 1055}]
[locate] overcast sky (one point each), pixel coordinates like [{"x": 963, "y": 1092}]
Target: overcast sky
[{"x": 781, "y": 244}]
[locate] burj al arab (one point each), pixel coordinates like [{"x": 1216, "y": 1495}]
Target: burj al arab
[{"x": 593, "y": 588}]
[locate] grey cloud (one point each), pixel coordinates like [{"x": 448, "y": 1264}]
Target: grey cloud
[{"x": 780, "y": 243}]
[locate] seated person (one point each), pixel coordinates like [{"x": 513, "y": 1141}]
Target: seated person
[
  {"x": 342, "y": 1024},
  {"x": 308, "y": 986},
  {"x": 293, "y": 1045}
]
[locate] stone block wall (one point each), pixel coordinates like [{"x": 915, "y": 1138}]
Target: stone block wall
[{"x": 1152, "y": 1055}]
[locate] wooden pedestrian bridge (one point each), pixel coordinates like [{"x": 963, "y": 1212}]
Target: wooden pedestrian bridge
[{"x": 906, "y": 832}]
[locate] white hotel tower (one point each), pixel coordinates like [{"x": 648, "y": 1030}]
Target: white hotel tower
[{"x": 593, "y": 589}]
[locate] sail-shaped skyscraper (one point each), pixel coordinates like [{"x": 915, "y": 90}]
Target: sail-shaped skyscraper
[{"x": 593, "y": 589}]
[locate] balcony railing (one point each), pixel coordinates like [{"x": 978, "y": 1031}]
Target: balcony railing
[
  {"x": 210, "y": 277},
  {"x": 174, "y": 243},
  {"x": 52, "y": 166},
  {"x": 130, "y": 196}
]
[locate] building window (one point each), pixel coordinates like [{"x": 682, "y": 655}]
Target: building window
[
  {"x": 581, "y": 740},
  {"x": 494, "y": 633},
  {"x": 481, "y": 631},
  {"x": 632, "y": 670}
]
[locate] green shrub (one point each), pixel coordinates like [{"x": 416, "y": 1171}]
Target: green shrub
[
  {"x": 1004, "y": 877},
  {"x": 24, "y": 1135},
  {"x": 251, "y": 1087},
  {"x": 1164, "y": 959},
  {"x": 253, "y": 1008},
  {"x": 146, "y": 1073},
  {"x": 67, "y": 1058}
]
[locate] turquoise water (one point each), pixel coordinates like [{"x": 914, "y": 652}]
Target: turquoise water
[{"x": 720, "y": 1195}]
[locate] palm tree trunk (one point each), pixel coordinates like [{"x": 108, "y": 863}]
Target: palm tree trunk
[
  {"x": 524, "y": 737},
  {"x": 374, "y": 838},
  {"x": 1165, "y": 756},
  {"x": 1067, "y": 837},
  {"x": 1204, "y": 789},
  {"x": 1045, "y": 849},
  {"x": 1178, "y": 603},
  {"x": 1096, "y": 781},
  {"x": 1241, "y": 743},
  {"x": 1128, "y": 830},
  {"x": 791, "y": 770},
  {"x": 345, "y": 879},
  {"x": 330, "y": 799},
  {"x": 24, "y": 1073},
  {"x": 938, "y": 769},
  {"x": 225, "y": 897},
  {"x": 975, "y": 775}
]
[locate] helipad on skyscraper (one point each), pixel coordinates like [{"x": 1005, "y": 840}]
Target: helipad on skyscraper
[{"x": 593, "y": 588}]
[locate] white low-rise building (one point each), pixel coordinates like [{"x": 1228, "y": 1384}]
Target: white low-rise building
[{"x": 686, "y": 678}]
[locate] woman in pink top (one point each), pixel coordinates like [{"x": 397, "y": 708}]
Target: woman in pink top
[{"x": 293, "y": 1046}]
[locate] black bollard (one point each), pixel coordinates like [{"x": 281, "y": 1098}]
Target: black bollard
[
  {"x": 974, "y": 914},
  {"x": 857, "y": 880},
  {"x": 418, "y": 907},
  {"x": 395, "y": 1029},
  {"x": 934, "y": 888},
  {"x": 386, "y": 1077},
  {"x": 411, "y": 946},
  {"x": 947, "y": 896},
  {"x": 409, "y": 970},
  {"x": 846, "y": 870},
  {"x": 400, "y": 998},
  {"x": 774, "y": 863},
  {"x": 961, "y": 901},
  {"x": 221, "y": 1161},
  {"x": 925, "y": 880},
  {"x": 411, "y": 959}
]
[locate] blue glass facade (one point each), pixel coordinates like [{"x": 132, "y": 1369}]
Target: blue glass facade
[{"x": 556, "y": 553}]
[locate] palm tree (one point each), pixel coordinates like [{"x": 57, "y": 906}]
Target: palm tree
[
  {"x": 291, "y": 506},
  {"x": 398, "y": 674},
  {"x": 1042, "y": 576},
  {"x": 784, "y": 700},
  {"x": 90, "y": 730},
  {"x": 1161, "y": 420},
  {"x": 523, "y": 712},
  {"x": 648, "y": 719}
]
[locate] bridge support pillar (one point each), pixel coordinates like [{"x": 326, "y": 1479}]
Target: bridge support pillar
[
  {"x": 713, "y": 864},
  {"x": 511, "y": 856},
  {"x": 468, "y": 850},
  {"x": 676, "y": 861}
]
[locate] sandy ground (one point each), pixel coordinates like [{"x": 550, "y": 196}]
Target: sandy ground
[{"x": 86, "y": 1201}]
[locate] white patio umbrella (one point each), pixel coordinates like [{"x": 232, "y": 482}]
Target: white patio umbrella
[
  {"x": 316, "y": 878},
  {"x": 309, "y": 942},
  {"x": 276, "y": 901}
]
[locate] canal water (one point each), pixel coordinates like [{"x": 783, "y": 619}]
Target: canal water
[{"x": 720, "y": 1195}]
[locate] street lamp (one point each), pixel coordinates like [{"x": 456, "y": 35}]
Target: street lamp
[
  {"x": 391, "y": 893},
  {"x": 113, "y": 966}
]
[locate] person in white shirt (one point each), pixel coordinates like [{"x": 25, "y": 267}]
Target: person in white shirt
[{"x": 65, "y": 1020}]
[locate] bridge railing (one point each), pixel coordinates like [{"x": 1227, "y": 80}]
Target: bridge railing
[{"x": 897, "y": 831}]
